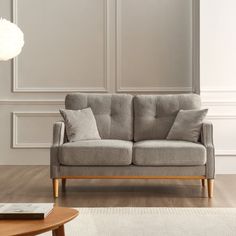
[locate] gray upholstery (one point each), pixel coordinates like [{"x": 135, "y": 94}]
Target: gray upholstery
[
  {"x": 113, "y": 113},
  {"x": 153, "y": 118},
  {"x": 168, "y": 153},
  {"x": 130, "y": 170},
  {"x": 155, "y": 114},
  {"x": 96, "y": 152},
  {"x": 187, "y": 125},
  {"x": 58, "y": 140},
  {"x": 207, "y": 141},
  {"x": 80, "y": 124}
]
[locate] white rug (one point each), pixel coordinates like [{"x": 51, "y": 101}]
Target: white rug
[{"x": 152, "y": 221}]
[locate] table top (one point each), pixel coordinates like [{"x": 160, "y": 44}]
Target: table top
[{"x": 58, "y": 217}]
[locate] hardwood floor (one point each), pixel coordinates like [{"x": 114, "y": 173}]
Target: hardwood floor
[{"x": 32, "y": 184}]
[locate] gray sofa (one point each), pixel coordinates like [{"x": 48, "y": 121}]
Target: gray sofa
[{"x": 133, "y": 145}]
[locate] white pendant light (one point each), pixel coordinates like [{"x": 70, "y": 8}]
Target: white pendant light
[{"x": 11, "y": 40}]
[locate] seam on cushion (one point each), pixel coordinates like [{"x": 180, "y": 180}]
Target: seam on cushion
[{"x": 133, "y": 121}]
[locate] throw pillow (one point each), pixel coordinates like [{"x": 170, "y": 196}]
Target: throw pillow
[
  {"x": 187, "y": 125},
  {"x": 80, "y": 124}
]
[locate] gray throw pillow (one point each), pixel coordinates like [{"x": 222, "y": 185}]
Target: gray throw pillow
[
  {"x": 80, "y": 124},
  {"x": 187, "y": 125}
]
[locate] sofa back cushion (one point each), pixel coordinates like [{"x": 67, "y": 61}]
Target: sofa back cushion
[
  {"x": 113, "y": 113},
  {"x": 155, "y": 114}
]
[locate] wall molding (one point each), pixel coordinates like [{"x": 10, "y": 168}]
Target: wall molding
[
  {"x": 221, "y": 116},
  {"x": 16, "y": 115},
  {"x": 223, "y": 152},
  {"x": 31, "y": 102},
  {"x": 62, "y": 102},
  {"x": 227, "y": 152},
  {"x": 218, "y": 90},
  {"x": 151, "y": 89},
  {"x": 195, "y": 56},
  {"x": 219, "y": 102},
  {"x": 105, "y": 88}
]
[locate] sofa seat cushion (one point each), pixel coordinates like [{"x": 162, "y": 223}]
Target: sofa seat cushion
[
  {"x": 105, "y": 152},
  {"x": 168, "y": 153}
]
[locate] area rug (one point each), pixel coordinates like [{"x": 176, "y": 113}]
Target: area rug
[{"x": 152, "y": 221}]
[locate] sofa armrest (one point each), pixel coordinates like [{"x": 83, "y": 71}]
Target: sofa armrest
[
  {"x": 58, "y": 133},
  {"x": 58, "y": 140},
  {"x": 207, "y": 141}
]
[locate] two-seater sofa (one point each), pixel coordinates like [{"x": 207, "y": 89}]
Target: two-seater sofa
[{"x": 133, "y": 145}]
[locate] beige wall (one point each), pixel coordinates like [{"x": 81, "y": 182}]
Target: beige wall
[
  {"x": 87, "y": 46},
  {"x": 218, "y": 77}
]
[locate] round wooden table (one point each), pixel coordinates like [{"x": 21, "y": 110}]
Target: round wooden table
[{"x": 54, "y": 221}]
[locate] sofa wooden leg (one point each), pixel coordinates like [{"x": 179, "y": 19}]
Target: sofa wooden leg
[
  {"x": 55, "y": 183},
  {"x": 203, "y": 182},
  {"x": 63, "y": 181},
  {"x": 210, "y": 184}
]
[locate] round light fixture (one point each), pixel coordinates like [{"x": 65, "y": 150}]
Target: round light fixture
[{"x": 11, "y": 40}]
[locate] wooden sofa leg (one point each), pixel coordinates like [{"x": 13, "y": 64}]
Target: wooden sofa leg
[
  {"x": 55, "y": 183},
  {"x": 63, "y": 181},
  {"x": 203, "y": 182},
  {"x": 210, "y": 185}
]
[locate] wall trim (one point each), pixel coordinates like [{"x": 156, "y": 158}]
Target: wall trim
[
  {"x": 219, "y": 102},
  {"x": 227, "y": 152},
  {"x": 221, "y": 116},
  {"x": 31, "y": 102},
  {"x": 62, "y": 102},
  {"x": 105, "y": 88},
  {"x": 195, "y": 54},
  {"x": 218, "y": 90},
  {"x": 16, "y": 115},
  {"x": 152, "y": 89}
]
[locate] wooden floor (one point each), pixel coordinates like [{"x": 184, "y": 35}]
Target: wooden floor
[{"x": 32, "y": 184}]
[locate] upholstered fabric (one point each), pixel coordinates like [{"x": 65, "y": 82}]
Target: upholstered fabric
[
  {"x": 168, "y": 153},
  {"x": 207, "y": 141},
  {"x": 187, "y": 125},
  {"x": 96, "y": 152},
  {"x": 80, "y": 124},
  {"x": 113, "y": 113},
  {"x": 118, "y": 123},
  {"x": 58, "y": 140},
  {"x": 131, "y": 170},
  {"x": 58, "y": 133},
  {"x": 155, "y": 114}
]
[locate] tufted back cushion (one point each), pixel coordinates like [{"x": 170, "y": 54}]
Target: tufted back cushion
[
  {"x": 113, "y": 113},
  {"x": 155, "y": 114}
]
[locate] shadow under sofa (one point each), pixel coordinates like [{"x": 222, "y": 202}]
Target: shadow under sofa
[{"x": 133, "y": 145}]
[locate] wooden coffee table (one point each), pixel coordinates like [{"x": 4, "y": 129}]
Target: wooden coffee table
[{"x": 54, "y": 221}]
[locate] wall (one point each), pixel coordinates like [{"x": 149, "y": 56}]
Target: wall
[
  {"x": 218, "y": 76},
  {"x": 90, "y": 49},
  {"x": 88, "y": 46}
]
